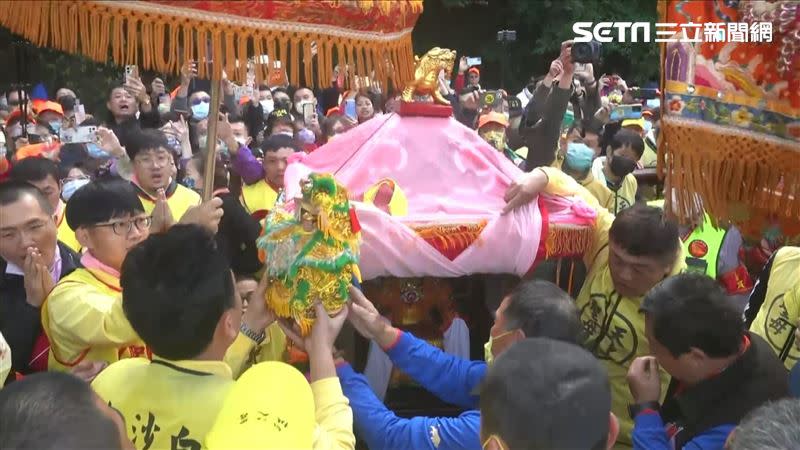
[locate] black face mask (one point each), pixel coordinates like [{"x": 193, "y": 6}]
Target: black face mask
[{"x": 622, "y": 166}]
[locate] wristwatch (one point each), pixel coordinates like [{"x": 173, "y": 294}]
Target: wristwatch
[
  {"x": 635, "y": 409},
  {"x": 257, "y": 337}
]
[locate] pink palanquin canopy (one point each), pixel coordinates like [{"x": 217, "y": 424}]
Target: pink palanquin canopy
[{"x": 454, "y": 183}]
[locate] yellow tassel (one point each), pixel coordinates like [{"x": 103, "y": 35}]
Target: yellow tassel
[
  {"x": 566, "y": 240},
  {"x": 113, "y": 31}
]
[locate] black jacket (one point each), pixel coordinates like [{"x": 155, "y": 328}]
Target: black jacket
[
  {"x": 20, "y": 322},
  {"x": 752, "y": 380},
  {"x": 236, "y": 236}
]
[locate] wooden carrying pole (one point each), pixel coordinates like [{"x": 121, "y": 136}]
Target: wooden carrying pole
[{"x": 211, "y": 146}]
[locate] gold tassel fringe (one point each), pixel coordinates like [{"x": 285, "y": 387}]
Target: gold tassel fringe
[
  {"x": 738, "y": 175},
  {"x": 447, "y": 236},
  {"x": 128, "y": 33},
  {"x": 567, "y": 240}
]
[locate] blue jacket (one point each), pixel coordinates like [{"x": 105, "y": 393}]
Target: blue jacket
[
  {"x": 649, "y": 433},
  {"x": 450, "y": 378}
]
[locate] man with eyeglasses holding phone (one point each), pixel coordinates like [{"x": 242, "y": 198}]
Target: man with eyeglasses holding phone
[{"x": 83, "y": 316}]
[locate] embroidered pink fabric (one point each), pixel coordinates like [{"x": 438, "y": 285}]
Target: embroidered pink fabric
[{"x": 450, "y": 176}]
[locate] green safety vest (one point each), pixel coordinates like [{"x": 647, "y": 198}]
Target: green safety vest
[{"x": 702, "y": 245}]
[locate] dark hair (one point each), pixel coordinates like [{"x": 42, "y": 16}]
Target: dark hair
[
  {"x": 12, "y": 191},
  {"x": 630, "y": 139},
  {"x": 72, "y": 155},
  {"x": 90, "y": 121},
  {"x": 220, "y": 169},
  {"x": 279, "y": 141},
  {"x": 546, "y": 394},
  {"x": 278, "y": 117},
  {"x": 541, "y": 309},
  {"x": 691, "y": 310},
  {"x": 167, "y": 117},
  {"x": 64, "y": 169},
  {"x": 113, "y": 88},
  {"x": 102, "y": 200},
  {"x": 143, "y": 140},
  {"x": 643, "y": 230},
  {"x": 329, "y": 122},
  {"x": 33, "y": 170},
  {"x": 172, "y": 305},
  {"x": 52, "y": 410},
  {"x": 263, "y": 87},
  {"x": 67, "y": 102}
]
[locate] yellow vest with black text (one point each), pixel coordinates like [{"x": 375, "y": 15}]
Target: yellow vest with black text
[
  {"x": 166, "y": 404},
  {"x": 613, "y": 325},
  {"x": 623, "y": 196},
  {"x": 179, "y": 201},
  {"x": 83, "y": 319},
  {"x": 702, "y": 246},
  {"x": 258, "y": 199},
  {"x": 777, "y": 319}
]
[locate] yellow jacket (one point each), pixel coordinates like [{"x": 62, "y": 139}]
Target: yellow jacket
[
  {"x": 624, "y": 196},
  {"x": 599, "y": 190},
  {"x": 619, "y": 339},
  {"x": 777, "y": 319},
  {"x": 244, "y": 352},
  {"x": 66, "y": 235},
  {"x": 258, "y": 198},
  {"x": 83, "y": 319},
  {"x": 165, "y": 402},
  {"x": 179, "y": 201}
]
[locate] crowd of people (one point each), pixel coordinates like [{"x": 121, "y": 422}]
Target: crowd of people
[{"x": 132, "y": 312}]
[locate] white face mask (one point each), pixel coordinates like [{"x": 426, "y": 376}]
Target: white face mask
[
  {"x": 267, "y": 105},
  {"x": 299, "y": 105},
  {"x": 71, "y": 186}
]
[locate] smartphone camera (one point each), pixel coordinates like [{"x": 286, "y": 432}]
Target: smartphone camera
[
  {"x": 507, "y": 36},
  {"x": 586, "y": 52}
]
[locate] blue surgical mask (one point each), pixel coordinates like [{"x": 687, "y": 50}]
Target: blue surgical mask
[
  {"x": 56, "y": 126},
  {"x": 71, "y": 186},
  {"x": 579, "y": 157},
  {"x": 95, "y": 151},
  {"x": 200, "y": 111}
]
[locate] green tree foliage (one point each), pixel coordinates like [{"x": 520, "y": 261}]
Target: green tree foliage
[{"x": 470, "y": 27}]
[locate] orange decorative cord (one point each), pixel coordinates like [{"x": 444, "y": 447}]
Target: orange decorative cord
[{"x": 159, "y": 35}]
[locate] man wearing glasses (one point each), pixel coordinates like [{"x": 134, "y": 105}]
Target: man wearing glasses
[
  {"x": 83, "y": 316},
  {"x": 158, "y": 191}
]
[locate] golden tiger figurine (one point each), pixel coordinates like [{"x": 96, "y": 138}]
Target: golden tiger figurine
[
  {"x": 311, "y": 254},
  {"x": 426, "y": 75}
]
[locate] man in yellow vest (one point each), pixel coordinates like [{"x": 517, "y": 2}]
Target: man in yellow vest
[
  {"x": 774, "y": 310},
  {"x": 191, "y": 317},
  {"x": 83, "y": 316},
  {"x": 616, "y": 169},
  {"x": 263, "y": 181},
  {"x": 152, "y": 166},
  {"x": 43, "y": 173},
  {"x": 629, "y": 255},
  {"x": 715, "y": 252}
]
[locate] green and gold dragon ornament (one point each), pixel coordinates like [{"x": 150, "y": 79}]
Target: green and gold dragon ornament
[{"x": 312, "y": 253}]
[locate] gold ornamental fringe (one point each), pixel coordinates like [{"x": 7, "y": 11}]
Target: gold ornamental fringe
[
  {"x": 736, "y": 174},
  {"x": 449, "y": 236},
  {"x": 567, "y": 240},
  {"x": 156, "y": 40}
]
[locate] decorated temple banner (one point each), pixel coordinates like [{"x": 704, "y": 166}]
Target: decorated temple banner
[{"x": 730, "y": 136}]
